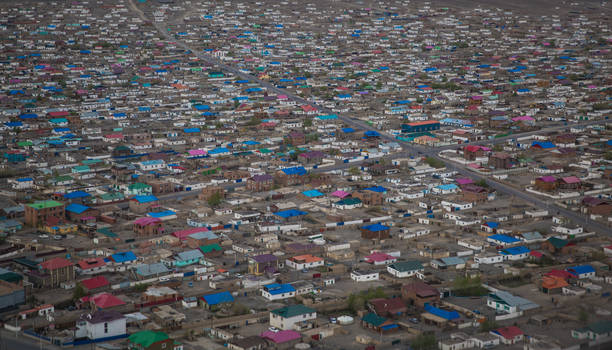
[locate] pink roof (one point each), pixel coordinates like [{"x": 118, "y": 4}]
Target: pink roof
[
  {"x": 379, "y": 257},
  {"x": 521, "y": 118},
  {"x": 535, "y": 253},
  {"x": 146, "y": 221},
  {"x": 196, "y": 152},
  {"x": 340, "y": 194},
  {"x": 55, "y": 263},
  {"x": 464, "y": 181},
  {"x": 571, "y": 180},
  {"x": 547, "y": 178},
  {"x": 281, "y": 336},
  {"x": 184, "y": 233}
]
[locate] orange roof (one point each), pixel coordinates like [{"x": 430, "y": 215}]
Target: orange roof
[
  {"x": 307, "y": 258},
  {"x": 424, "y": 122},
  {"x": 552, "y": 282}
]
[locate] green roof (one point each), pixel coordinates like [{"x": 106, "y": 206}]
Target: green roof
[
  {"x": 45, "y": 204},
  {"x": 293, "y": 310},
  {"x": 374, "y": 319},
  {"x": 147, "y": 338},
  {"x": 601, "y": 327},
  {"x": 24, "y": 143},
  {"x": 403, "y": 266},
  {"x": 138, "y": 186},
  {"x": 210, "y": 247},
  {"x": 558, "y": 243},
  {"x": 349, "y": 201}
]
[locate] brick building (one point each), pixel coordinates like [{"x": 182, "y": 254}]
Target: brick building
[{"x": 38, "y": 212}]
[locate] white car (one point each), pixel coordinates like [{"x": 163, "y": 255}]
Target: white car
[
  {"x": 43, "y": 236},
  {"x": 274, "y": 329}
]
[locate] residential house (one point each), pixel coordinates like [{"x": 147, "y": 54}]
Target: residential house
[
  {"x": 403, "y": 269},
  {"x": 152, "y": 340},
  {"x": 294, "y": 317},
  {"x": 418, "y": 293},
  {"x": 37, "y": 213},
  {"x": 276, "y": 291},
  {"x": 101, "y": 325},
  {"x": 52, "y": 273}
]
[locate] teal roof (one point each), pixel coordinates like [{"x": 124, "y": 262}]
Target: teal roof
[{"x": 293, "y": 310}]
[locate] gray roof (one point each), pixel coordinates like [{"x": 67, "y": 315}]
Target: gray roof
[
  {"x": 190, "y": 255},
  {"x": 512, "y": 300},
  {"x": 151, "y": 269}
]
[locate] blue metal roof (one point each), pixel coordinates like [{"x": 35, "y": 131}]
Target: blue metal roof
[
  {"x": 298, "y": 170},
  {"x": 503, "y": 238},
  {"x": 290, "y": 213},
  {"x": 123, "y": 257},
  {"x": 581, "y": 269},
  {"x": 312, "y": 193},
  {"x": 447, "y": 315},
  {"x": 515, "y": 250},
  {"x": 145, "y": 198},
  {"x": 76, "y": 194},
  {"x": 218, "y": 298},
  {"x": 276, "y": 288},
  {"x": 375, "y": 227},
  {"x": 379, "y": 189},
  {"x": 76, "y": 208}
]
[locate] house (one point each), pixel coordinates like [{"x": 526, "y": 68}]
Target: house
[
  {"x": 79, "y": 213},
  {"x": 509, "y": 335},
  {"x": 101, "y": 325},
  {"x": 152, "y": 340},
  {"x": 598, "y": 331},
  {"x": 143, "y": 204},
  {"x": 392, "y": 307},
  {"x": 148, "y": 226},
  {"x": 264, "y": 263},
  {"x": 558, "y": 246},
  {"x": 378, "y": 323},
  {"x": 91, "y": 266},
  {"x": 216, "y": 300},
  {"x": 421, "y": 126},
  {"x": 284, "y": 339},
  {"x": 348, "y": 203},
  {"x": 52, "y": 273},
  {"x": 403, "y": 269},
  {"x": 276, "y": 291},
  {"x": 552, "y": 284},
  {"x": 94, "y": 283},
  {"x": 291, "y": 176},
  {"x": 37, "y": 213},
  {"x": 419, "y": 293},
  {"x": 592, "y": 205},
  {"x": 248, "y": 343},
  {"x": 155, "y": 295},
  {"x": 306, "y": 261},
  {"x": 147, "y": 271},
  {"x": 515, "y": 253},
  {"x": 211, "y": 250},
  {"x": 378, "y": 258},
  {"x": 102, "y": 301},
  {"x": 260, "y": 183},
  {"x": 369, "y": 198},
  {"x": 188, "y": 257},
  {"x": 546, "y": 183},
  {"x": 503, "y": 301},
  {"x": 375, "y": 231},
  {"x": 502, "y": 240},
  {"x": 294, "y": 317},
  {"x": 364, "y": 276},
  {"x": 582, "y": 271},
  {"x": 501, "y": 160}
]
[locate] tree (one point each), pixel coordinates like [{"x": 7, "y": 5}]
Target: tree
[
  {"x": 307, "y": 123},
  {"x": 424, "y": 341},
  {"x": 482, "y": 183},
  {"x": 583, "y": 316},
  {"x": 488, "y": 325},
  {"x": 214, "y": 200},
  {"x": 353, "y": 170},
  {"x": 78, "y": 292}
]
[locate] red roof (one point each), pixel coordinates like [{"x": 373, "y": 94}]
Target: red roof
[
  {"x": 58, "y": 114},
  {"x": 87, "y": 264},
  {"x": 95, "y": 282},
  {"x": 55, "y": 263},
  {"x": 560, "y": 273},
  {"x": 106, "y": 300},
  {"x": 509, "y": 332}
]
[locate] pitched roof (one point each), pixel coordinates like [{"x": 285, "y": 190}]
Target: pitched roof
[
  {"x": 509, "y": 332},
  {"x": 374, "y": 319},
  {"x": 421, "y": 289},
  {"x": 106, "y": 300},
  {"x": 95, "y": 282},
  {"x": 281, "y": 336},
  {"x": 147, "y": 338},
  {"x": 403, "y": 266},
  {"x": 218, "y": 298},
  {"x": 55, "y": 263},
  {"x": 292, "y": 310}
]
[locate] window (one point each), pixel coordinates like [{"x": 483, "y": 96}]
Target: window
[
  {"x": 163, "y": 345},
  {"x": 106, "y": 327}
]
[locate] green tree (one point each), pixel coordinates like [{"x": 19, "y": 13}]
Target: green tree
[
  {"x": 78, "y": 292},
  {"x": 353, "y": 170},
  {"x": 488, "y": 325},
  {"x": 215, "y": 200},
  {"x": 307, "y": 123},
  {"x": 424, "y": 341},
  {"x": 583, "y": 316}
]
